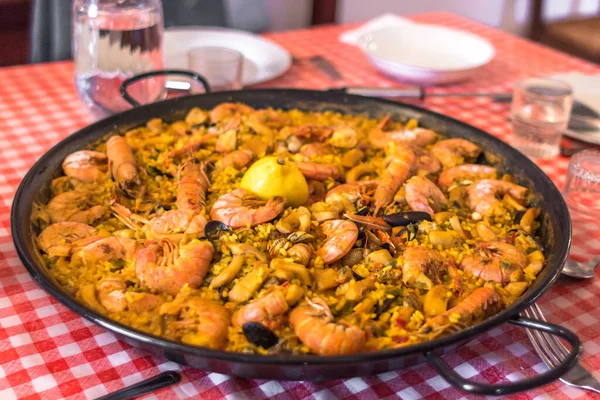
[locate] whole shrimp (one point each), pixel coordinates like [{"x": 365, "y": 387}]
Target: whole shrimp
[
  {"x": 226, "y": 111},
  {"x": 350, "y": 196},
  {"x": 61, "y": 238},
  {"x": 86, "y": 166},
  {"x": 495, "y": 261},
  {"x": 481, "y": 303},
  {"x": 107, "y": 249},
  {"x": 470, "y": 172},
  {"x": 423, "y": 195},
  {"x": 310, "y": 150},
  {"x": 111, "y": 294},
  {"x": 314, "y": 326},
  {"x": 74, "y": 206},
  {"x": 236, "y": 159},
  {"x": 319, "y": 172},
  {"x": 481, "y": 195},
  {"x": 240, "y": 208},
  {"x": 419, "y": 137},
  {"x": 202, "y": 322},
  {"x": 398, "y": 168},
  {"x": 453, "y": 152},
  {"x": 422, "y": 267},
  {"x": 340, "y": 237},
  {"x": 165, "y": 267},
  {"x": 123, "y": 167},
  {"x": 261, "y": 309}
]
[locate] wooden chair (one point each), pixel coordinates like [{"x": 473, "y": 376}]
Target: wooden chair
[{"x": 578, "y": 36}]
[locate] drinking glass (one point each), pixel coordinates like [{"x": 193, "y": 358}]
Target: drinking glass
[
  {"x": 540, "y": 112},
  {"x": 222, "y": 67},
  {"x": 112, "y": 41},
  {"x": 582, "y": 186}
]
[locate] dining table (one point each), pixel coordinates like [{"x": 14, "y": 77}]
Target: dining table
[{"x": 50, "y": 352}]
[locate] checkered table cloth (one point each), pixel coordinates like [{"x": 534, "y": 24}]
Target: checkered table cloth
[{"x": 47, "y": 351}]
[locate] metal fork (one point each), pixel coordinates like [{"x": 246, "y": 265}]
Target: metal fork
[{"x": 552, "y": 352}]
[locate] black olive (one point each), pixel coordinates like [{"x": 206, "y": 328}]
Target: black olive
[
  {"x": 518, "y": 216},
  {"x": 405, "y": 218},
  {"x": 259, "y": 335},
  {"x": 363, "y": 211},
  {"x": 214, "y": 229},
  {"x": 381, "y": 308}
]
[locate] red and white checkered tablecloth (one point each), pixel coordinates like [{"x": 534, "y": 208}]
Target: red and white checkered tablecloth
[{"x": 49, "y": 352}]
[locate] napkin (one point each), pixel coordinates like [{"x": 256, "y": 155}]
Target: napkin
[
  {"x": 382, "y": 21},
  {"x": 586, "y": 88}
]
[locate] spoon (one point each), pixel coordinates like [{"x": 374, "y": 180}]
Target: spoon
[{"x": 585, "y": 270}]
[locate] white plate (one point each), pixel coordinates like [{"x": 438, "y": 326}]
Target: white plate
[
  {"x": 426, "y": 53},
  {"x": 263, "y": 59}
]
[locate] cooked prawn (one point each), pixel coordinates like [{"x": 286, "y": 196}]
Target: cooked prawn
[
  {"x": 240, "y": 208},
  {"x": 344, "y": 137},
  {"x": 266, "y": 307},
  {"x": 202, "y": 322},
  {"x": 398, "y": 168},
  {"x": 319, "y": 172},
  {"x": 340, "y": 237},
  {"x": 264, "y": 122},
  {"x": 165, "y": 267},
  {"x": 310, "y": 150},
  {"x": 495, "y": 261},
  {"x": 225, "y": 111},
  {"x": 413, "y": 137},
  {"x": 123, "y": 167},
  {"x": 423, "y": 195},
  {"x": 481, "y": 195},
  {"x": 61, "y": 238},
  {"x": 480, "y": 304},
  {"x": 314, "y": 326},
  {"x": 422, "y": 267},
  {"x": 107, "y": 249},
  {"x": 74, "y": 206},
  {"x": 237, "y": 159},
  {"x": 86, "y": 166},
  {"x": 351, "y": 196},
  {"x": 453, "y": 152},
  {"x": 469, "y": 172},
  {"x": 426, "y": 161},
  {"x": 192, "y": 188}
]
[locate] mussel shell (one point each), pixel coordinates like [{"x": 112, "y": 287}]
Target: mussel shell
[
  {"x": 405, "y": 218},
  {"x": 363, "y": 211},
  {"x": 276, "y": 245},
  {"x": 300, "y": 237},
  {"x": 411, "y": 231},
  {"x": 259, "y": 335},
  {"x": 381, "y": 308},
  {"x": 353, "y": 257},
  {"x": 214, "y": 229},
  {"x": 529, "y": 235},
  {"x": 361, "y": 239},
  {"x": 519, "y": 216}
]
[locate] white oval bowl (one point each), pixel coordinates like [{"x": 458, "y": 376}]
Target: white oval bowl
[{"x": 426, "y": 53}]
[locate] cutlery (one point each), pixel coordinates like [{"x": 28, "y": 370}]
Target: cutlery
[
  {"x": 325, "y": 66},
  {"x": 156, "y": 382},
  {"x": 552, "y": 351},
  {"x": 581, "y": 270}
]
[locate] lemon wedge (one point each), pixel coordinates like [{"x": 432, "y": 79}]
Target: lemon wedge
[{"x": 273, "y": 176}]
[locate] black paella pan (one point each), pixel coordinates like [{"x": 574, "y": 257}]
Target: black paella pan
[{"x": 555, "y": 233}]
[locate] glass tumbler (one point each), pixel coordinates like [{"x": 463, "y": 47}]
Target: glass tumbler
[
  {"x": 114, "y": 40},
  {"x": 222, "y": 67},
  {"x": 540, "y": 112},
  {"x": 582, "y": 186}
]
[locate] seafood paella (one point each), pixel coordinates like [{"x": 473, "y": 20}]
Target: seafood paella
[{"x": 289, "y": 232}]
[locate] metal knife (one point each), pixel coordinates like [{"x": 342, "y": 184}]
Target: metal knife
[
  {"x": 580, "y": 377},
  {"x": 325, "y": 66}
]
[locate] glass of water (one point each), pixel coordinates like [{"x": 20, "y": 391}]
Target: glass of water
[
  {"x": 222, "y": 67},
  {"x": 114, "y": 40},
  {"x": 582, "y": 186},
  {"x": 540, "y": 112}
]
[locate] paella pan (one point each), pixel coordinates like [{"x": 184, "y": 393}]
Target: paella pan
[{"x": 313, "y": 268}]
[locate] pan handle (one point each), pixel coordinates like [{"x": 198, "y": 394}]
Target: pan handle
[
  {"x": 526, "y": 384},
  {"x": 136, "y": 78}
]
